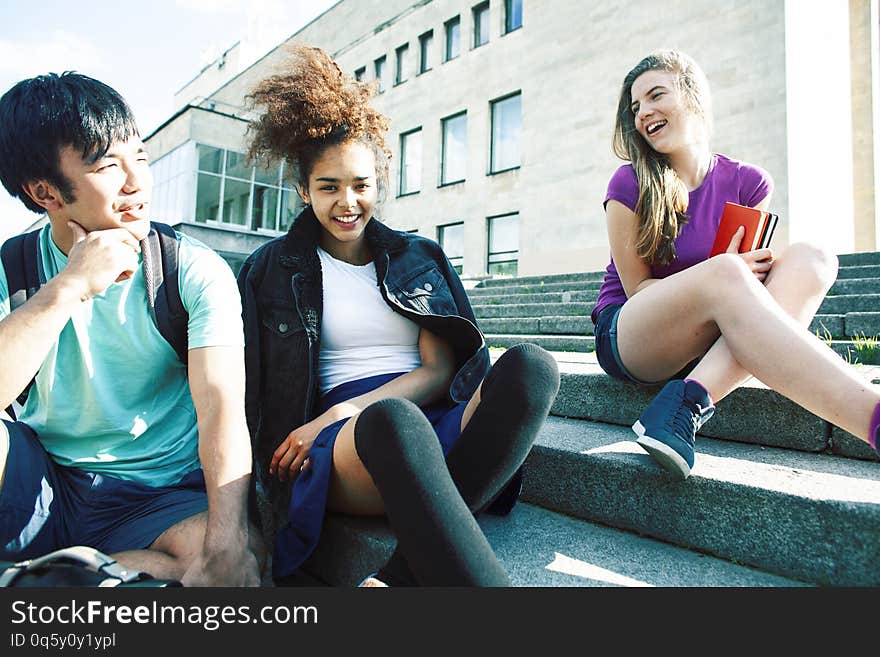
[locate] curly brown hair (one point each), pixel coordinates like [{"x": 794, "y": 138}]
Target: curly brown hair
[{"x": 309, "y": 106}]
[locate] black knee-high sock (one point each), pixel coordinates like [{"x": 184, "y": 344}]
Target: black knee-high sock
[
  {"x": 515, "y": 399},
  {"x": 443, "y": 544}
]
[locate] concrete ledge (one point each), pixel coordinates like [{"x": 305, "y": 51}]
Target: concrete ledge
[
  {"x": 843, "y": 443},
  {"x": 810, "y": 517},
  {"x": 588, "y": 296},
  {"x": 511, "y": 325},
  {"x": 823, "y": 325},
  {"x": 859, "y": 271},
  {"x": 856, "y": 286},
  {"x": 847, "y": 303},
  {"x": 580, "y": 343},
  {"x": 574, "y": 286},
  {"x": 532, "y": 310},
  {"x": 540, "y": 548},
  {"x": 567, "y": 325},
  {"x": 750, "y": 414},
  {"x": 862, "y": 323},
  {"x": 856, "y": 259},
  {"x": 546, "y": 279}
]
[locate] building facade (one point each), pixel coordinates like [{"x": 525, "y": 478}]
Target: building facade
[{"x": 502, "y": 113}]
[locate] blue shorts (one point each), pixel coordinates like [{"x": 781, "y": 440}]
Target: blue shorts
[
  {"x": 45, "y": 506},
  {"x": 296, "y": 540},
  {"x": 606, "y": 345},
  {"x": 609, "y": 356}
]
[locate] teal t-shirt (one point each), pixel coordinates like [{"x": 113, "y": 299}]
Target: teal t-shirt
[{"x": 112, "y": 397}]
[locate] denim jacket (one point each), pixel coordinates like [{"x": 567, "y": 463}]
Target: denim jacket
[{"x": 282, "y": 304}]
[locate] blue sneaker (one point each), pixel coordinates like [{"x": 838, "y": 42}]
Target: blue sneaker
[{"x": 666, "y": 429}]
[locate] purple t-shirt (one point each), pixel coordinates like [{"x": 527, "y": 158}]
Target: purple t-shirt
[{"x": 726, "y": 180}]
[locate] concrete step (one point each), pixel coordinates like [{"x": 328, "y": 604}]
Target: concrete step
[
  {"x": 532, "y": 310},
  {"x": 751, "y": 414},
  {"x": 557, "y": 325},
  {"x": 577, "y": 296},
  {"x": 848, "y": 303},
  {"x": 855, "y": 286},
  {"x": 856, "y": 259},
  {"x": 811, "y": 517},
  {"x": 578, "y": 286},
  {"x": 582, "y": 343},
  {"x": 545, "y": 279},
  {"x": 859, "y": 271},
  {"x": 538, "y": 547}
]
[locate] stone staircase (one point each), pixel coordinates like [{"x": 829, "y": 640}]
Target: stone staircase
[{"x": 778, "y": 496}]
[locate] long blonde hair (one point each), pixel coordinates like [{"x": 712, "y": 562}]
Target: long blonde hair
[{"x": 663, "y": 197}]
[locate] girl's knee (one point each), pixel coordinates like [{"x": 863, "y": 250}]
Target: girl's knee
[
  {"x": 723, "y": 271},
  {"x": 814, "y": 261}
]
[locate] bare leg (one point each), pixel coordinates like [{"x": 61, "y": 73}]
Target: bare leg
[
  {"x": 798, "y": 281},
  {"x": 169, "y": 556},
  {"x": 351, "y": 487},
  {"x": 668, "y": 324}
]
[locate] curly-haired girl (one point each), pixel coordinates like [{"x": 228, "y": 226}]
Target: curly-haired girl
[
  {"x": 367, "y": 376},
  {"x": 664, "y": 303}
]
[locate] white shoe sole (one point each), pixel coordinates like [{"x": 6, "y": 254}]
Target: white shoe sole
[{"x": 665, "y": 456}]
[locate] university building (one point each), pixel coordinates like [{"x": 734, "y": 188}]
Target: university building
[{"x": 502, "y": 113}]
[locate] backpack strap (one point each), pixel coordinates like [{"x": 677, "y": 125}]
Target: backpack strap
[
  {"x": 23, "y": 263},
  {"x": 161, "y": 250}
]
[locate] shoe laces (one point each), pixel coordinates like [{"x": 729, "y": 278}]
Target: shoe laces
[{"x": 688, "y": 419}]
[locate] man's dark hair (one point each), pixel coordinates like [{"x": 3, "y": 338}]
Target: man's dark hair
[{"x": 41, "y": 115}]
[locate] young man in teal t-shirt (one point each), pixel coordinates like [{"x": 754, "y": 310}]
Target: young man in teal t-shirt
[{"x": 119, "y": 445}]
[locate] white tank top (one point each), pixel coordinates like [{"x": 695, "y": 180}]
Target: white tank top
[{"x": 360, "y": 335}]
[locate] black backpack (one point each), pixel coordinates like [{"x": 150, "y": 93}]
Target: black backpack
[
  {"x": 21, "y": 259},
  {"x": 76, "y": 566}
]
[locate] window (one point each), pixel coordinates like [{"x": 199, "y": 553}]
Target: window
[
  {"x": 506, "y": 133},
  {"x": 454, "y": 160},
  {"x": 451, "y": 239},
  {"x": 361, "y": 74},
  {"x": 503, "y": 244},
  {"x": 453, "y": 38},
  {"x": 512, "y": 15},
  {"x": 481, "y": 24},
  {"x": 379, "y": 66},
  {"x": 229, "y": 192},
  {"x": 426, "y": 42},
  {"x": 410, "y": 162},
  {"x": 400, "y": 70}
]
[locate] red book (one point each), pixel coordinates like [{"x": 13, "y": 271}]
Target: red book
[{"x": 759, "y": 228}]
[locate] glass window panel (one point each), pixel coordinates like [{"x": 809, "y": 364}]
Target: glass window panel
[
  {"x": 265, "y": 207},
  {"x": 512, "y": 15},
  {"x": 360, "y": 74},
  {"x": 506, "y": 133},
  {"x": 454, "y": 165},
  {"x": 451, "y": 239},
  {"x": 481, "y": 24},
  {"x": 380, "y": 72},
  {"x": 504, "y": 234},
  {"x": 401, "y": 71},
  {"x": 291, "y": 206},
  {"x": 210, "y": 159},
  {"x": 426, "y": 42},
  {"x": 267, "y": 176},
  {"x": 235, "y": 166},
  {"x": 236, "y": 196},
  {"x": 411, "y": 162},
  {"x": 207, "y": 197},
  {"x": 453, "y": 38}
]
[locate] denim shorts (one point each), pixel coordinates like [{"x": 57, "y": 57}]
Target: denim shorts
[
  {"x": 45, "y": 506},
  {"x": 606, "y": 345},
  {"x": 609, "y": 356}
]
